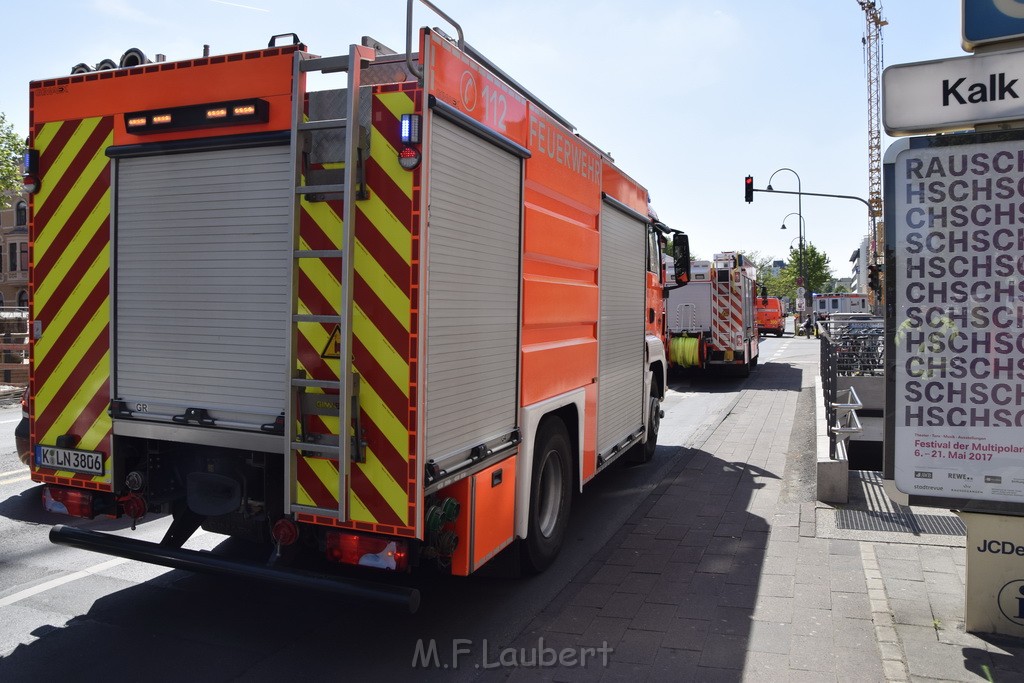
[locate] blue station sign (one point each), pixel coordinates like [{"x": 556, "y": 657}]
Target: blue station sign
[{"x": 991, "y": 21}]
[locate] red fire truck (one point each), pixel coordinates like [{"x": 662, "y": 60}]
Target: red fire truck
[
  {"x": 711, "y": 320},
  {"x": 399, "y": 321}
]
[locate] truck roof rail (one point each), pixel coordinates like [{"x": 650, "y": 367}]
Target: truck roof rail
[{"x": 408, "y": 34}]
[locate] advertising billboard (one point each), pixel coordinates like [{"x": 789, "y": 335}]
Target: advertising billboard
[{"x": 955, "y": 279}]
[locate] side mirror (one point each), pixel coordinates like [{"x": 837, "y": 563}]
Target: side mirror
[
  {"x": 764, "y": 295},
  {"x": 681, "y": 258}
]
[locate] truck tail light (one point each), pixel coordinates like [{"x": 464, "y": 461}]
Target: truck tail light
[
  {"x": 284, "y": 532},
  {"x": 134, "y": 506},
  {"x": 409, "y": 158},
  {"x": 367, "y": 551},
  {"x": 409, "y": 133},
  {"x": 65, "y": 501}
]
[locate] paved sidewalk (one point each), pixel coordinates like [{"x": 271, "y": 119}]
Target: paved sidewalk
[{"x": 731, "y": 571}]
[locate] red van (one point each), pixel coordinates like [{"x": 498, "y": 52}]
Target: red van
[{"x": 770, "y": 316}]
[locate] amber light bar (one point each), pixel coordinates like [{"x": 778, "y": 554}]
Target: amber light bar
[{"x": 235, "y": 113}]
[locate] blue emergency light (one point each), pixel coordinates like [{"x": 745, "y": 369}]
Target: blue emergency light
[
  {"x": 30, "y": 174},
  {"x": 410, "y": 129}
]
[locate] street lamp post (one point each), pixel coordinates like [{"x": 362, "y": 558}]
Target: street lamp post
[
  {"x": 800, "y": 251},
  {"x": 802, "y": 265}
]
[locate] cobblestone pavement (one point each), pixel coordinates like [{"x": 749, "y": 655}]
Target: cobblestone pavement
[{"x": 731, "y": 571}]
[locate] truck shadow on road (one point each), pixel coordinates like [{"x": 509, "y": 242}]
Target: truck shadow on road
[
  {"x": 707, "y": 382},
  {"x": 681, "y": 570},
  {"x": 663, "y": 563},
  {"x": 673, "y": 593},
  {"x": 25, "y": 506}
]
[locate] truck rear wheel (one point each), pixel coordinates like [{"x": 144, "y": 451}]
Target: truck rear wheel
[
  {"x": 643, "y": 452},
  {"x": 550, "y": 496}
]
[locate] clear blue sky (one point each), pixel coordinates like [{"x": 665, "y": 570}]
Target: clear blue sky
[{"x": 688, "y": 96}]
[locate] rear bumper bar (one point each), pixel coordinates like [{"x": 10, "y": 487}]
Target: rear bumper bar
[{"x": 205, "y": 562}]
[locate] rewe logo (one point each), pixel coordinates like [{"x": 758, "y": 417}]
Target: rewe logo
[{"x": 997, "y": 88}]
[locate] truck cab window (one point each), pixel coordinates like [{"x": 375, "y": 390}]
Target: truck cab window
[{"x": 653, "y": 253}]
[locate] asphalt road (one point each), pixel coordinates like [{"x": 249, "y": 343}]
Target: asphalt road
[
  {"x": 69, "y": 613},
  {"x": 10, "y": 466}
]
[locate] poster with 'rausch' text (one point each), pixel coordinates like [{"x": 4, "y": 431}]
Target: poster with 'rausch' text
[{"x": 957, "y": 262}]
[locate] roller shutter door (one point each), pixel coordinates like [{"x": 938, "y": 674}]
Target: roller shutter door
[
  {"x": 472, "y": 289},
  {"x": 621, "y": 336},
  {"x": 201, "y": 283}
]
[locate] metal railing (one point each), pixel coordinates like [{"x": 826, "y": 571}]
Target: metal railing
[
  {"x": 858, "y": 344},
  {"x": 847, "y": 349},
  {"x": 844, "y": 422}
]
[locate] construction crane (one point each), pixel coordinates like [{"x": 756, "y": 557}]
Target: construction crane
[{"x": 872, "y": 41}]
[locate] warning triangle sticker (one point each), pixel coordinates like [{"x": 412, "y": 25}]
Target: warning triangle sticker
[{"x": 333, "y": 347}]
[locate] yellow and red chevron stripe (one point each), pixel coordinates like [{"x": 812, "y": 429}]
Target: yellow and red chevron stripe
[
  {"x": 382, "y": 495},
  {"x": 69, "y": 271},
  {"x": 727, "y": 316}
]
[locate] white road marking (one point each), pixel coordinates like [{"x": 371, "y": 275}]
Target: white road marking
[
  {"x": 16, "y": 475},
  {"x": 75, "y": 576},
  {"x": 54, "y": 583},
  {"x": 782, "y": 349}
]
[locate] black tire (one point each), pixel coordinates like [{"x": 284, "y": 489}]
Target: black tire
[
  {"x": 643, "y": 452},
  {"x": 550, "y": 496}
]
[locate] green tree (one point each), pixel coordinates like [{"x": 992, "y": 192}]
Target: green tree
[
  {"x": 819, "y": 273},
  {"x": 765, "y": 277},
  {"x": 669, "y": 249},
  {"x": 762, "y": 263},
  {"x": 12, "y": 147},
  {"x": 835, "y": 287}
]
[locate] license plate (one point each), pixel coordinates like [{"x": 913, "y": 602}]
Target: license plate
[{"x": 86, "y": 462}]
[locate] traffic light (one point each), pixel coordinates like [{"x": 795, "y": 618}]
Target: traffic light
[
  {"x": 873, "y": 283},
  {"x": 748, "y": 189}
]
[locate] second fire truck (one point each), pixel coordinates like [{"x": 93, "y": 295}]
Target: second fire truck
[{"x": 711, "y": 321}]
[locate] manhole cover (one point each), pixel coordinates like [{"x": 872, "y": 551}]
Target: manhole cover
[{"x": 866, "y": 520}]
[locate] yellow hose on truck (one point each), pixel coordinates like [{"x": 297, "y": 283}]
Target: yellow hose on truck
[{"x": 684, "y": 351}]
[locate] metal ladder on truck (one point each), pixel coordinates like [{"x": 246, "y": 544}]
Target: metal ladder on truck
[{"x": 332, "y": 399}]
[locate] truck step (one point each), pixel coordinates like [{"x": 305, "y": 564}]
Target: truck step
[
  {"x": 317, "y": 384},
  {"x": 319, "y": 253},
  {"x": 309, "y": 318},
  {"x": 324, "y": 124},
  {"x": 327, "y": 65},
  {"x": 320, "y": 189},
  {"x": 332, "y": 452}
]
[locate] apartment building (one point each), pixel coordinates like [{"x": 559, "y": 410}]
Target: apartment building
[{"x": 14, "y": 253}]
